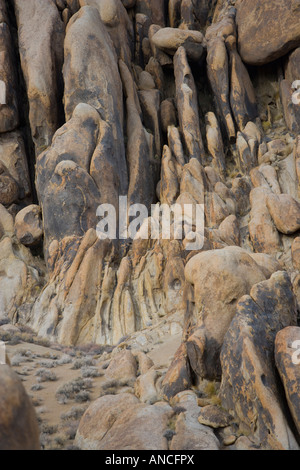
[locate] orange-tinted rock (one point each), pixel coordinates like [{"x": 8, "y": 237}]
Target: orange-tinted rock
[
  {"x": 249, "y": 384},
  {"x": 220, "y": 278},
  {"x": 122, "y": 423},
  {"x": 285, "y": 212},
  {"x": 263, "y": 233},
  {"x": 287, "y": 357},
  {"x": 267, "y": 30},
  {"x": 41, "y": 52},
  {"x": 187, "y": 106}
]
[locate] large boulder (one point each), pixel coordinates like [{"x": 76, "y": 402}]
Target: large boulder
[
  {"x": 285, "y": 212},
  {"x": 41, "y": 53},
  {"x": 220, "y": 278},
  {"x": 78, "y": 171},
  {"x": 19, "y": 281},
  {"x": 187, "y": 106},
  {"x": 287, "y": 357},
  {"x": 121, "y": 422},
  {"x": 118, "y": 24},
  {"x": 189, "y": 433},
  {"x": 263, "y": 233},
  {"x": 94, "y": 78},
  {"x": 19, "y": 428},
  {"x": 13, "y": 162},
  {"x": 9, "y": 115},
  {"x": 170, "y": 39},
  {"x": 249, "y": 388},
  {"x": 267, "y": 30}
]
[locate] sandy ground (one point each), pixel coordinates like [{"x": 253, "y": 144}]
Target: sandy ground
[{"x": 27, "y": 359}]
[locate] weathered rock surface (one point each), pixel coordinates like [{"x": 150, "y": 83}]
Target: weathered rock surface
[
  {"x": 259, "y": 21},
  {"x": 263, "y": 233},
  {"x": 285, "y": 212},
  {"x": 118, "y": 24},
  {"x": 122, "y": 367},
  {"x": 13, "y": 161},
  {"x": 8, "y": 77},
  {"x": 190, "y": 434},
  {"x": 170, "y": 39},
  {"x": 220, "y": 278},
  {"x": 287, "y": 346},
  {"x": 124, "y": 424},
  {"x": 214, "y": 417},
  {"x": 19, "y": 428},
  {"x": 28, "y": 225},
  {"x": 187, "y": 106},
  {"x": 21, "y": 275},
  {"x": 94, "y": 79},
  {"x": 41, "y": 51},
  {"x": 249, "y": 386},
  {"x": 106, "y": 104}
]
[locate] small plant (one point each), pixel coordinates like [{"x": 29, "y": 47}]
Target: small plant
[
  {"x": 45, "y": 375},
  {"x": 83, "y": 362},
  {"x": 71, "y": 390},
  {"x": 37, "y": 387},
  {"x": 216, "y": 400},
  {"x": 64, "y": 359},
  {"x": 83, "y": 396},
  {"x": 94, "y": 349},
  {"x": 48, "y": 429},
  {"x": 17, "y": 359},
  {"x": 71, "y": 430},
  {"x": 41, "y": 341},
  {"x": 59, "y": 441},
  {"x": 47, "y": 364},
  {"x": 210, "y": 389},
  {"x": 75, "y": 413},
  {"x": 92, "y": 372},
  {"x": 14, "y": 340},
  {"x": 26, "y": 329},
  {"x": 25, "y": 337}
]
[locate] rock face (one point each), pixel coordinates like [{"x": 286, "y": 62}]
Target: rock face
[
  {"x": 287, "y": 362},
  {"x": 170, "y": 39},
  {"x": 94, "y": 79},
  {"x": 190, "y": 434},
  {"x": 9, "y": 105},
  {"x": 22, "y": 276},
  {"x": 258, "y": 21},
  {"x": 124, "y": 424},
  {"x": 220, "y": 278},
  {"x": 149, "y": 195},
  {"x": 248, "y": 371},
  {"x": 19, "y": 427},
  {"x": 41, "y": 50}
]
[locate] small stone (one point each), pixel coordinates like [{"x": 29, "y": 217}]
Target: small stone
[
  {"x": 229, "y": 440},
  {"x": 28, "y": 225},
  {"x": 214, "y": 417}
]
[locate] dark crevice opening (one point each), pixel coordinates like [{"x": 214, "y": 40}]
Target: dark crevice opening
[{"x": 23, "y": 103}]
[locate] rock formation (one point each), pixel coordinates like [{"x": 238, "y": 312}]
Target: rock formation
[{"x": 149, "y": 188}]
